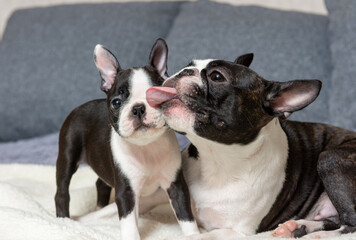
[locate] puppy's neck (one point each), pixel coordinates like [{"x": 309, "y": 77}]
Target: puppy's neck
[
  {"x": 164, "y": 144},
  {"x": 234, "y": 162},
  {"x": 142, "y": 139}
]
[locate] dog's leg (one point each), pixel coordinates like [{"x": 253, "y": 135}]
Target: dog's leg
[
  {"x": 127, "y": 195},
  {"x": 300, "y": 228},
  {"x": 67, "y": 165},
  {"x": 337, "y": 168},
  {"x": 179, "y": 197},
  {"x": 103, "y": 193},
  {"x": 323, "y": 216}
]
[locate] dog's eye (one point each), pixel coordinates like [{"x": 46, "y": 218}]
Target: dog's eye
[
  {"x": 216, "y": 76},
  {"x": 116, "y": 103}
]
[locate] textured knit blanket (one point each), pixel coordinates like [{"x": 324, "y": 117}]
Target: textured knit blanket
[{"x": 27, "y": 209}]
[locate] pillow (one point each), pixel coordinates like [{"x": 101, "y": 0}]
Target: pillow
[
  {"x": 287, "y": 45},
  {"x": 44, "y": 150},
  {"x": 342, "y": 28},
  {"x": 37, "y": 150},
  {"x": 46, "y": 58}
]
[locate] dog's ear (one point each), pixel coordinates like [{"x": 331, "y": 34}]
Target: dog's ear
[
  {"x": 107, "y": 65},
  {"x": 284, "y": 98},
  {"x": 245, "y": 59},
  {"x": 158, "y": 57}
]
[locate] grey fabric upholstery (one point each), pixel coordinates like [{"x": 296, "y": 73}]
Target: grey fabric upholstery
[
  {"x": 37, "y": 150},
  {"x": 342, "y": 28},
  {"x": 46, "y": 63},
  {"x": 42, "y": 150},
  {"x": 287, "y": 45}
]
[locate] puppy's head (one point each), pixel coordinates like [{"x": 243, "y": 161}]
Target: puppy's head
[
  {"x": 129, "y": 113},
  {"x": 226, "y": 101}
]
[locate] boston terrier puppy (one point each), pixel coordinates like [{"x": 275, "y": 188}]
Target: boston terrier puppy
[
  {"x": 126, "y": 143},
  {"x": 248, "y": 168}
]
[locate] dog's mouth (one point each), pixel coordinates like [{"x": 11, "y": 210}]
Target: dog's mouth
[
  {"x": 156, "y": 96},
  {"x": 143, "y": 127}
]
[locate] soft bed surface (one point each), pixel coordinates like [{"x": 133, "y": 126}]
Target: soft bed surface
[{"x": 27, "y": 209}]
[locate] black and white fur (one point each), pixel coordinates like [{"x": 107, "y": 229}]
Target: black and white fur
[
  {"x": 248, "y": 168},
  {"x": 126, "y": 143}
]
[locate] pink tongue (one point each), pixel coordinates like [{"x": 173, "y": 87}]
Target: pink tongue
[{"x": 157, "y": 95}]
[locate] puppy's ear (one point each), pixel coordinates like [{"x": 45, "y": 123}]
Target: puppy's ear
[
  {"x": 284, "y": 98},
  {"x": 107, "y": 65},
  {"x": 245, "y": 59},
  {"x": 158, "y": 57}
]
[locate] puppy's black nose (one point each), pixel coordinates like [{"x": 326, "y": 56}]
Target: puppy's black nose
[{"x": 138, "y": 111}]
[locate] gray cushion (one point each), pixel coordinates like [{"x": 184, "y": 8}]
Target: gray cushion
[
  {"x": 42, "y": 150},
  {"x": 46, "y": 63},
  {"x": 342, "y": 28},
  {"x": 287, "y": 45},
  {"x": 37, "y": 150}
]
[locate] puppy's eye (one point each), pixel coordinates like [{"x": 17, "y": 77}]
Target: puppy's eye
[
  {"x": 216, "y": 76},
  {"x": 116, "y": 103}
]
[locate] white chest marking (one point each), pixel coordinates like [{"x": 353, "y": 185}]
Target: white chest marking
[
  {"x": 234, "y": 186},
  {"x": 153, "y": 165}
]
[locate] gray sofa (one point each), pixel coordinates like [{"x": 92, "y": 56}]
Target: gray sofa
[{"x": 47, "y": 69}]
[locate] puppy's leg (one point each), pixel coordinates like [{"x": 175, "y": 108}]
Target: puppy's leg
[
  {"x": 127, "y": 195},
  {"x": 337, "y": 168},
  {"x": 67, "y": 165},
  {"x": 103, "y": 193},
  {"x": 179, "y": 197}
]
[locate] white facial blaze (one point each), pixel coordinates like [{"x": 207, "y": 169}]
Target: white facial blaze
[
  {"x": 201, "y": 64},
  {"x": 178, "y": 116},
  {"x": 139, "y": 83}
]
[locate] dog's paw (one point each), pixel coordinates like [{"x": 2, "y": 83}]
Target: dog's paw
[{"x": 286, "y": 230}]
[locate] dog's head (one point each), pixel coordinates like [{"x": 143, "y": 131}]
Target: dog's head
[
  {"x": 129, "y": 113},
  {"x": 227, "y": 102}
]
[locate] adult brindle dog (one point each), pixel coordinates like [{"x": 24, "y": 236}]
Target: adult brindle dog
[{"x": 248, "y": 168}]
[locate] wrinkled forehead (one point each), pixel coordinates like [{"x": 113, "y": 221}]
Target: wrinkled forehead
[
  {"x": 200, "y": 64},
  {"x": 195, "y": 64}
]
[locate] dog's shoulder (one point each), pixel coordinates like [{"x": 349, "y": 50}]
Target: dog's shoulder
[{"x": 324, "y": 135}]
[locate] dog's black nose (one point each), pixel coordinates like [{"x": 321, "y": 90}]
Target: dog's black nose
[{"x": 138, "y": 111}]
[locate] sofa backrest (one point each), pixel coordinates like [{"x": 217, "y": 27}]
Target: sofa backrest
[
  {"x": 46, "y": 58},
  {"x": 47, "y": 69}
]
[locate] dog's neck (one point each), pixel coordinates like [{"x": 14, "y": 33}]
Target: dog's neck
[{"x": 223, "y": 162}]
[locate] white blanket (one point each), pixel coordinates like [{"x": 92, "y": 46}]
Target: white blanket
[{"x": 27, "y": 209}]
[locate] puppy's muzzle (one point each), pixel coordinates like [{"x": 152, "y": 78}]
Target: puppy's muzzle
[{"x": 138, "y": 112}]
